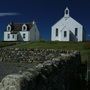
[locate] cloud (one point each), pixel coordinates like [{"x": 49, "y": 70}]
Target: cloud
[{"x": 8, "y": 14}]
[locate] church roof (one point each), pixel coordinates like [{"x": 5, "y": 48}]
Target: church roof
[{"x": 66, "y": 20}]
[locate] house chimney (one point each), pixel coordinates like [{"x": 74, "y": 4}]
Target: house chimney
[
  {"x": 11, "y": 23},
  {"x": 33, "y": 22}
]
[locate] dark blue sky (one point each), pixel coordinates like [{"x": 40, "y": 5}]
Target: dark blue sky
[{"x": 44, "y": 12}]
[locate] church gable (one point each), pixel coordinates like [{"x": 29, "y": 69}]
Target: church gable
[
  {"x": 66, "y": 20},
  {"x": 61, "y": 22}
]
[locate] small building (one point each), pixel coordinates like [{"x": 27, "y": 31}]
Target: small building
[
  {"x": 21, "y": 32},
  {"x": 67, "y": 29}
]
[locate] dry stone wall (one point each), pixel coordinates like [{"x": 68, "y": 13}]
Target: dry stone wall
[
  {"x": 29, "y": 55},
  {"x": 60, "y": 70}
]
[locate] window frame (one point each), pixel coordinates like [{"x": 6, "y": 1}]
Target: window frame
[
  {"x": 24, "y": 35},
  {"x": 76, "y": 31},
  {"x": 24, "y": 27},
  {"x": 56, "y": 32},
  {"x": 65, "y": 34},
  {"x": 8, "y": 28},
  {"x": 13, "y": 36},
  {"x": 8, "y": 36}
]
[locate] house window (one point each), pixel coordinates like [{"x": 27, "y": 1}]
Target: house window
[
  {"x": 12, "y": 36},
  {"x": 8, "y": 28},
  {"x": 24, "y": 27},
  {"x": 56, "y": 31},
  {"x": 76, "y": 31},
  {"x": 24, "y": 35},
  {"x": 65, "y": 34},
  {"x": 8, "y": 36}
]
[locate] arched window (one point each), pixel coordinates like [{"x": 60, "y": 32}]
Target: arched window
[
  {"x": 8, "y": 36},
  {"x": 24, "y": 27},
  {"x": 8, "y": 28}
]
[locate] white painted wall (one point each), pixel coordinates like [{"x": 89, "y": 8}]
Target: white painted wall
[
  {"x": 72, "y": 24},
  {"x": 53, "y": 34},
  {"x": 27, "y": 35},
  {"x": 60, "y": 25},
  {"x": 66, "y": 25},
  {"x": 67, "y": 38},
  {"x": 11, "y": 36}
]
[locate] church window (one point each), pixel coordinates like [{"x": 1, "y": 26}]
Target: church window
[
  {"x": 24, "y": 35},
  {"x": 56, "y": 31},
  {"x": 8, "y": 36},
  {"x": 76, "y": 31},
  {"x": 65, "y": 34}
]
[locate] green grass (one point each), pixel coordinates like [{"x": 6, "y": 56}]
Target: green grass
[
  {"x": 6, "y": 44},
  {"x": 83, "y": 47}
]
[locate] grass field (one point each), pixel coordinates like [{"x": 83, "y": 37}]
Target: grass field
[{"x": 83, "y": 47}]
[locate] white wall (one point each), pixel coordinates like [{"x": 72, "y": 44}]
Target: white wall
[
  {"x": 53, "y": 34},
  {"x": 61, "y": 26},
  {"x": 67, "y": 38},
  {"x": 27, "y": 36},
  {"x": 11, "y": 37},
  {"x": 67, "y": 25},
  {"x": 72, "y": 24}
]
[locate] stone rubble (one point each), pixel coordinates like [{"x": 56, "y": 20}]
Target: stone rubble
[
  {"x": 57, "y": 71},
  {"x": 30, "y": 55}
]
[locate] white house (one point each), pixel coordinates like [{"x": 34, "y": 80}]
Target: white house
[
  {"x": 21, "y": 32},
  {"x": 67, "y": 29}
]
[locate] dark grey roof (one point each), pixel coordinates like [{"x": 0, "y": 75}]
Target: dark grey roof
[{"x": 15, "y": 27}]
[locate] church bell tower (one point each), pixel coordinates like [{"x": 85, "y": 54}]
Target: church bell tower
[{"x": 66, "y": 13}]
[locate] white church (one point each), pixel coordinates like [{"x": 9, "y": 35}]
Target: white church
[
  {"x": 67, "y": 29},
  {"x": 21, "y": 32}
]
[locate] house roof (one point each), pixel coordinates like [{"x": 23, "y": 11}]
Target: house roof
[{"x": 15, "y": 27}]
